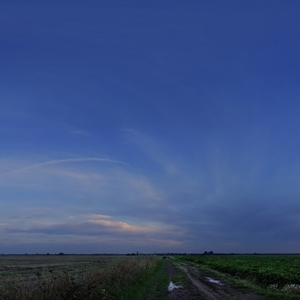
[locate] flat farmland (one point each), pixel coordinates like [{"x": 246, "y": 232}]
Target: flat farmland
[
  {"x": 143, "y": 277},
  {"x": 24, "y": 267},
  {"x": 25, "y": 277}
]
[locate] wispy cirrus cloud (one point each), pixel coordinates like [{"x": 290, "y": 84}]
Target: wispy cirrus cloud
[
  {"x": 81, "y": 133},
  {"x": 152, "y": 149},
  {"x": 98, "y": 216},
  {"x": 66, "y": 160}
]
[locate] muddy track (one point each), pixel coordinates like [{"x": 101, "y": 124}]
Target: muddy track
[{"x": 212, "y": 290}]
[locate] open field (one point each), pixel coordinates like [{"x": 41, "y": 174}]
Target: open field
[
  {"x": 275, "y": 276},
  {"x": 208, "y": 277},
  {"x": 23, "y": 267},
  {"x": 72, "y": 276}
]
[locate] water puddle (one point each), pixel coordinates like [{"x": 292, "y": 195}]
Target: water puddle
[
  {"x": 214, "y": 281},
  {"x": 173, "y": 286}
]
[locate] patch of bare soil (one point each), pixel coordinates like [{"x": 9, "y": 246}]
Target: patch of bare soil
[{"x": 211, "y": 290}]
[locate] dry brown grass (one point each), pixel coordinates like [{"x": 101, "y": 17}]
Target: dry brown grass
[{"x": 110, "y": 281}]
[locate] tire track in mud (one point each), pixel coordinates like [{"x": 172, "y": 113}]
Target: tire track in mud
[
  {"x": 207, "y": 292},
  {"x": 213, "y": 291}
]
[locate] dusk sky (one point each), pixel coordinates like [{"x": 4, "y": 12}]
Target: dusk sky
[{"x": 149, "y": 126}]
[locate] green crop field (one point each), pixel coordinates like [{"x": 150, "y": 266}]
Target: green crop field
[{"x": 271, "y": 272}]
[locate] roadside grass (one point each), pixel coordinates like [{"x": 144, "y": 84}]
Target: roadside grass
[
  {"x": 152, "y": 285},
  {"x": 180, "y": 277}
]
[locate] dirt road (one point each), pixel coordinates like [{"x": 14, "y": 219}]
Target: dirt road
[{"x": 204, "y": 287}]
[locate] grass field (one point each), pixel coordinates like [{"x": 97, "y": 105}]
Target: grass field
[{"x": 74, "y": 276}]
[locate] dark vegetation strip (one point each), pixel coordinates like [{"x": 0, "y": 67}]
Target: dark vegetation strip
[{"x": 152, "y": 285}]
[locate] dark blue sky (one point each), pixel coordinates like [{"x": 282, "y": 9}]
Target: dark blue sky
[{"x": 149, "y": 126}]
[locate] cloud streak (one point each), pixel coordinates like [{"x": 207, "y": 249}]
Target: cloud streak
[
  {"x": 152, "y": 149},
  {"x": 66, "y": 160},
  {"x": 99, "y": 229}
]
